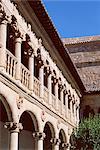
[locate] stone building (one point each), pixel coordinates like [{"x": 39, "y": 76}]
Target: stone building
[
  {"x": 85, "y": 53},
  {"x": 40, "y": 89}
]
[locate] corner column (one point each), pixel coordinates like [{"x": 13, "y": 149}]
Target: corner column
[
  {"x": 3, "y": 36},
  {"x": 14, "y": 129}
]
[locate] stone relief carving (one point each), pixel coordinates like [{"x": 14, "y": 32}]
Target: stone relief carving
[{"x": 19, "y": 102}]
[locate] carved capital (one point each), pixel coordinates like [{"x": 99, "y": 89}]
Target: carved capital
[
  {"x": 3, "y": 16},
  {"x": 65, "y": 145},
  {"x": 13, "y": 126},
  {"x": 39, "y": 135},
  {"x": 55, "y": 141}
]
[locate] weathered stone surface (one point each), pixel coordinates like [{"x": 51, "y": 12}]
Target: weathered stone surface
[{"x": 85, "y": 53}]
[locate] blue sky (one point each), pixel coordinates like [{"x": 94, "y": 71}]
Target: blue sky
[{"x": 75, "y": 18}]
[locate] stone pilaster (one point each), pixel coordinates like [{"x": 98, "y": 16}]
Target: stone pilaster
[{"x": 14, "y": 129}]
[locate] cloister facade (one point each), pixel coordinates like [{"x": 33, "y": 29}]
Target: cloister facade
[{"x": 39, "y": 97}]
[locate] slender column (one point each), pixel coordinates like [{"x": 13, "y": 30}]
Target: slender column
[
  {"x": 41, "y": 77},
  {"x": 71, "y": 110},
  {"x": 31, "y": 69},
  {"x": 18, "y": 42},
  {"x": 40, "y": 137},
  {"x": 3, "y": 34},
  {"x": 49, "y": 88},
  {"x": 56, "y": 94},
  {"x": 55, "y": 143},
  {"x": 66, "y": 104},
  {"x": 75, "y": 113},
  {"x": 14, "y": 129},
  {"x": 62, "y": 108}
]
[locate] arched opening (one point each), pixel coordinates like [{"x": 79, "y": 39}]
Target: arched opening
[
  {"x": 26, "y": 139},
  {"x": 62, "y": 138},
  {"x": 53, "y": 85},
  {"x": 49, "y": 132},
  {"x": 4, "y": 133},
  {"x": 10, "y": 44}
]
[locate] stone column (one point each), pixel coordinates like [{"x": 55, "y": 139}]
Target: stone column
[
  {"x": 71, "y": 110},
  {"x": 18, "y": 42},
  {"x": 3, "y": 36},
  {"x": 62, "y": 104},
  {"x": 66, "y": 104},
  {"x": 14, "y": 129},
  {"x": 40, "y": 137},
  {"x": 75, "y": 113},
  {"x": 49, "y": 89},
  {"x": 31, "y": 69},
  {"x": 56, "y": 94},
  {"x": 41, "y": 78},
  {"x": 56, "y": 143}
]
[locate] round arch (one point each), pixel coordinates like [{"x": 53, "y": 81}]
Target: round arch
[
  {"x": 6, "y": 106},
  {"x": 50, "y": 134},
  {"x": 5, "y": 116},
  {"x": 63, "y": 140},
  {"x": 30, "y": 126}
]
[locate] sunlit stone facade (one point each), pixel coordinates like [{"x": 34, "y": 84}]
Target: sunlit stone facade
[{"x": 39, "y": 102}]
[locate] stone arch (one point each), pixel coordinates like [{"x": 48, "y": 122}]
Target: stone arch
[
  {"x": 50, "y": 134},
  {"x": 30, "y": 126},
  {"x": 3, "y": 101},
  {"x": 63, "y": 140},
  {"x": 5, "y": 116}
]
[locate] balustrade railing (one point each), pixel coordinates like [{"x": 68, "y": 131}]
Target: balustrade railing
[
  {"x": 36, "y": 86},
  {"x": 25, "y": 75},
  {"x": 11, "y": 62},
  {"x": 46, "y": 95}
]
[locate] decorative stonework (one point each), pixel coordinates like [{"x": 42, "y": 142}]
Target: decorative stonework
[
  {"x": 65, "y": 145},
  {"x": 43, "y": 115},
  {"x": 58, "y": 124},
  {"x": 39, "y": 135},
  {"x": 19, "y": 102},
  {"x": 55, "y": 141},
  {"x": 13, "y": 126}
]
